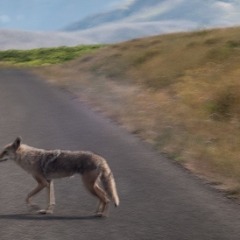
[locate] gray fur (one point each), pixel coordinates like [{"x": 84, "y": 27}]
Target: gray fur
[{"x": 46, "y": 165}]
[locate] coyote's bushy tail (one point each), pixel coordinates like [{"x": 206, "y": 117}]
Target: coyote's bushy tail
[{"x": 109, "y": 184}]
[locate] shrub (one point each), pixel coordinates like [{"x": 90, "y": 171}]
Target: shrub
[{"x": 45, "y": 55}]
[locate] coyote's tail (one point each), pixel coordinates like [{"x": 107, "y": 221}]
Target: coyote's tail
[{"x": 109, "y": 184}]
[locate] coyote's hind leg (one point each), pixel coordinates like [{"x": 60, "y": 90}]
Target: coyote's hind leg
[
  {"x": 90, "y": 181},
  {"x": 99, "y": 208},
  {"x": 103, "y": 206}
]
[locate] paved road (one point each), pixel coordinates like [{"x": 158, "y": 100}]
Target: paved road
[{"x": 158, "y": 199}]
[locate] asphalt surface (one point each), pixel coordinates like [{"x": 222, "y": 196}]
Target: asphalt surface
[{"x": 158, "y": 199}]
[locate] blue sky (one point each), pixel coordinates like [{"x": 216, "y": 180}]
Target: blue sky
[{"x": 47, "y": 15}]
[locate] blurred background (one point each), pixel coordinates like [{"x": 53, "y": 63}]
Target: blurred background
[{"x": 79, "y": 22}]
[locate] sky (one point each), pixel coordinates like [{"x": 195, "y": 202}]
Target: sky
[
  {"x": 49, "y": 15},
  {"x": 52, "y": 15}
]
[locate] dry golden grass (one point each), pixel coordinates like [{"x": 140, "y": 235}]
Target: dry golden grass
[{"x": 180, "y": 92}]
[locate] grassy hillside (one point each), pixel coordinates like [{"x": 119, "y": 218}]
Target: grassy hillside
[{"x": 180, "y": 92}]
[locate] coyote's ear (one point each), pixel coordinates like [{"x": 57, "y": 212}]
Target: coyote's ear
[{"x": 17, "y": 143}]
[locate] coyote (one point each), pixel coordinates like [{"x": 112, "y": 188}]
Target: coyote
[{"x": 46, "y": 165}]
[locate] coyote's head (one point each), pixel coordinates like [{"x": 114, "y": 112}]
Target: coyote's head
[{"x": 9, "y": 152}]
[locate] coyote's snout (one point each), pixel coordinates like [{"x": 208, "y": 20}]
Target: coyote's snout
[{"x": 45, "y": 165}]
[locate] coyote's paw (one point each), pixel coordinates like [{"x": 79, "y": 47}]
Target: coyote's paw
[
  {"x": 100, "y": 214},
  {"x": 45, "y": 211}
]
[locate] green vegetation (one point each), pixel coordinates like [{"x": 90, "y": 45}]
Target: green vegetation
[
  {"x": 180, "y": 92},
  {"x": 43, "y": 56}
]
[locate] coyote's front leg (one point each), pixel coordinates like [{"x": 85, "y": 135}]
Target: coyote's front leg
[
  {"x": 42, "y": 183},
  {"x": 51, "y": 199}
]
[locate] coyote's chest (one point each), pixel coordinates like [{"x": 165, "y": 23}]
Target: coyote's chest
[
  {"x": 37, "y": 162},
  {"x": 29, "y": 165}
]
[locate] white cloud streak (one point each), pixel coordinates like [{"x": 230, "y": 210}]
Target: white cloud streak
[
  {"x": 155, "y": 10},
  {"x": 227, "y": 14},
  {"x": 111, "y": 33}
]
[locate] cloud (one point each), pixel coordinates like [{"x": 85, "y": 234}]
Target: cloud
[
  {"x": 19, "y": 39},
  {"x": 225, "y": 7},
  {"x": 152, "y": 11},
  {"x": 120, "y": 4},
  {"x": 5, "y": 19},
  {"x": 127, "y": 4},
  {"x": 229, "y": 13},
  {"x": 117, "y": 32},
  {"x": 110, "y": 33}
]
